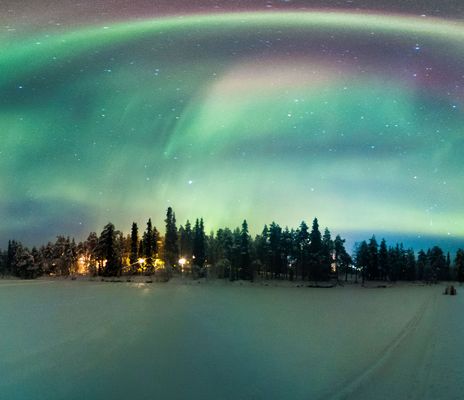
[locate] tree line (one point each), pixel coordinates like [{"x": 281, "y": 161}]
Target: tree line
[
  {"x": 303, "y": 253},
  {"x": 382, "y": 262}
]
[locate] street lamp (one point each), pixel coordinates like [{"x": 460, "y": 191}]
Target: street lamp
[{"x": 182, "y": 262}]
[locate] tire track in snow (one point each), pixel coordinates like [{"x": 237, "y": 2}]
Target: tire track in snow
[{"x": 348, "y": 390}]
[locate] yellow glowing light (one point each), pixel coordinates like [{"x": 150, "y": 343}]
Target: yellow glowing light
[
  {"x": 182, "y": 261},
  {"x": 141, "y": 261}
]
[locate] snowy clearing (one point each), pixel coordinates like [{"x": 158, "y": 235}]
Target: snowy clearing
[{"x": 96, "y": 340}]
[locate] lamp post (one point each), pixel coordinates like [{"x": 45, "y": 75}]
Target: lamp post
[{"x": 182, "y": 261}]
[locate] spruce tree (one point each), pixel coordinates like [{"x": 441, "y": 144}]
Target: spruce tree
[
  {"x": 10, "y": 255},
  {"x": 245, "y": 263},
  {"x": 438, "y": 264},
  {"x": 459, "y": 265},
  {"x": 422, "y": 262},
  {"x": 397, "y": 262},
  {"x": 234, "y": 254},
  {"x": 171, "y": 251},
  {"x": 362, "y": 258},
  {"x": 134, "y": 248},
  {"x": 199, "y": 251},
  {"x": 286, "y": 246},
  {"x": 275, "y": 233},
  {"x": 384, "y": 266},
  {"x": 342, "y": 258},
  {"x": 91, "y": 252},
  {"x": 302, "y": 250},
  {"x": 315, "y": 252},
  {"x": 188, "y": 239},
  {"x": 141, "y": 247},
  {"x": 148, "y": 244},
  {"x": 411, "y": 265},
  {"x": 262, "y": 251},
  {"x": 373, "y": 261},
  {"x": 326, "y": 254},
  {"x": 107, "y": 250},
  {"x": 154, "y": 241}
]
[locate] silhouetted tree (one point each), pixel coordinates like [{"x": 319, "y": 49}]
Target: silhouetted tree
[
  {"x": 275, "y": 236},
  {"x": 361, "y": 255},
  {"x": 373, "y": 259},
  {"x": 149, "y": 245},
  {"x": 134, "y": 254},
  {"x": 302, "y": 250},
  {"x": 186, "y": 240},
  {"x": 286, "y": 248},
  {"x": 383, "y": 261},
  {"x": 245, "y": 263},
  {"x": 422, "y": 265},
  {"x": 326, "y": 257},
  {"x": 410, "y": 265},
  {"x": 87, "y": 251},
  {"x": 262, "y": 251},
  {"x": 107, "y": 249},
  {"x": 342, "y": 258},
  {"x": 397, "y": 259},
  {"x": 315, "y": 250},
  {"x": 438, "y": 264},
  {"x": 171, "y": 251},
  {"x": 459, "y": 265},
  {"x": 199, "y": 251}
]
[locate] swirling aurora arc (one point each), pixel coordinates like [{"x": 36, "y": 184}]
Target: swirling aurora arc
[{"x": 355, "y": 118}]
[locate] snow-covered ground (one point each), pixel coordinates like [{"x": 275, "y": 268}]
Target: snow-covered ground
[{"x": 99, "y": 340}]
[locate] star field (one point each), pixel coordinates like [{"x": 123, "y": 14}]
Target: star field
[{"x": 356, "y": 118}]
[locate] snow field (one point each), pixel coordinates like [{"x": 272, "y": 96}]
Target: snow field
[{"x": 95, "y": 340}]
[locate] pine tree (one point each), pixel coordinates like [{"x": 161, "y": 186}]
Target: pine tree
[
  {"x": 342, "y": 258},
  {"x": 225, "y": 243},
  {"x": 362, "y": 258},
  {"x": 302, "y": 250},
  {"x": 10, "y": 255},
  {"x": 411, "y": 265},
  {"x": 438, "y": 264},
  {"x": 286, "y": 246},
  {"x": 422, "y": 262},
  {"x": 171, "y": 251},
  {"x": 326, "y": 254},
  {"x": 199, "y": 251},
  {"x": 245, "y": 263},
  {"x": 261, "y": 247},
  {"x": 188, "y": 239},
  {"x": 384, "y": 264},
  {"x": 107, "y": 244},
  {"x": 23, "y": 262},
  {"x": 154, "y": 242},
  {"x": 275, "y": 234},
  {"x": 459, "y": 265},
  {"x": 396, "y": 256},
  {"x": 212, "y": 249},
  {"x": 134, "y": 253},
  {"x": 235, "y": 255},
  {"x": 149, "y": 245},
  {"x": 373, "y": 261},
  {"x": 141, "y": 247},
  {"x": 315, "y": 252}
]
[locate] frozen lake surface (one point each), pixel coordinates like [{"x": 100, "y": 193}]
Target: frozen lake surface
[{"x": 94, "y": 340}]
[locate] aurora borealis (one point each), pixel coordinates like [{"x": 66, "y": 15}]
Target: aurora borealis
[{"x": 354, "y": 117}]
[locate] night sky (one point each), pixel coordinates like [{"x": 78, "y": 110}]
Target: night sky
[{"x": 267, "y": 110}]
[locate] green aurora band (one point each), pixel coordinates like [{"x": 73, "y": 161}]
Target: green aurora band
[{"x": 214, "y": 115}]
